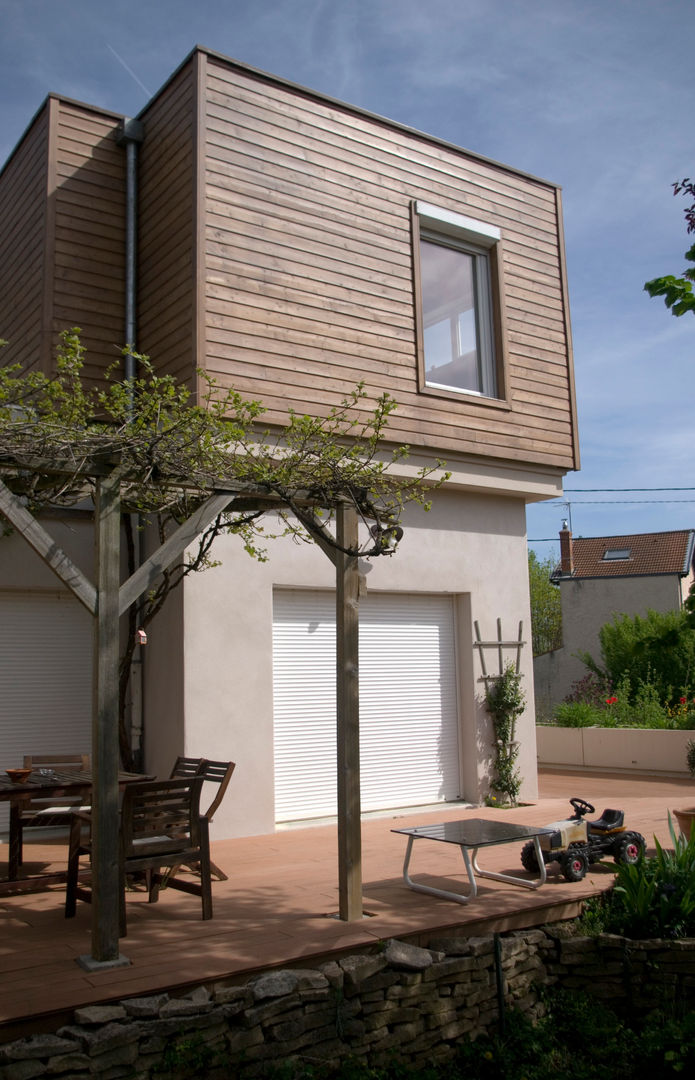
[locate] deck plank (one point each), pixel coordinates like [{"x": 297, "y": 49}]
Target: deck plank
[{"x": 276, "y": 908}]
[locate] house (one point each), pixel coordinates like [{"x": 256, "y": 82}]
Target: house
[
  {"x": 292, "y": 245},
  {"x": 599, "y": 577}
]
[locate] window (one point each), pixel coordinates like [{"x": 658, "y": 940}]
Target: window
[
  {"x": 614, "y": 554},
  {"x": 455, "y": 267}
]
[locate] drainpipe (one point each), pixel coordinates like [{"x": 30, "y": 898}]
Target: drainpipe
[{"x": 129, "y": 135}]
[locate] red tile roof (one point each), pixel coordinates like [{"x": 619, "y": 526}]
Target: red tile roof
[{"x": 649, "y": 553}]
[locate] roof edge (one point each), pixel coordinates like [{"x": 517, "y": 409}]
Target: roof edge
[
  {"x": 44, "y": 105},
  {"x": 317, "y": 95}
]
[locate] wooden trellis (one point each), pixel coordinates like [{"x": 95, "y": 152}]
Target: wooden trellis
[{"x": 500, "y": 645}]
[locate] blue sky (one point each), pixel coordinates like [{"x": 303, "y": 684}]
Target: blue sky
[{"x": 596, "y": 96}]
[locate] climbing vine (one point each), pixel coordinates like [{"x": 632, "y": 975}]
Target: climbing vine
[{"x": 505, "y": 702}]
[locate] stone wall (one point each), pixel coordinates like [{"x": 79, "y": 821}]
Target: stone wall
[{"x": 412, "y": 1002}]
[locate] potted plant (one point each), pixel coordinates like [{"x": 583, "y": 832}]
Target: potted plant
[{"x": 686, "y": 816}]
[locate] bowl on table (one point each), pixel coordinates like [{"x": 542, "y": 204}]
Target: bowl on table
[{"x": 18, "y": 776}]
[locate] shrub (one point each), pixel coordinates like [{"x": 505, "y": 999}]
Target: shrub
[
  {"x": 682, "y": 715},
  {"x": 656, "y": 649},
  {"x": 624, "y": 707},
  {"x": 591, "y": 690},
  {"x": 655, "y": 897},
  {"x": 690, "y": 756},
  {"x": 577, "y": 1037},
  {"x": 579, "y": 714}
]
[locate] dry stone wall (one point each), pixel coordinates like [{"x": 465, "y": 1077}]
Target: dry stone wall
[{"x": 401, "y": 1000}]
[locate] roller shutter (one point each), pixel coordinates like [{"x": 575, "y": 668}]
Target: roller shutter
[
  {"x": 45, "y": 676},
  {"x": 408, "y": 702}
]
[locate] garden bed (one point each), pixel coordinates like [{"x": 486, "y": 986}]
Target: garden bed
[{"x": 614, "y": 749}]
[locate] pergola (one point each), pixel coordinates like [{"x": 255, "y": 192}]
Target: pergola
[{"x": 107, "y": 598}]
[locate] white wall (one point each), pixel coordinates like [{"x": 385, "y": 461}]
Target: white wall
[{"x": 470, "y": 546}]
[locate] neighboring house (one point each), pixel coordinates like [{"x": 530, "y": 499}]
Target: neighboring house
[
  {"x": 291, "y": 245},
  {"x": 599, "y": 577}
]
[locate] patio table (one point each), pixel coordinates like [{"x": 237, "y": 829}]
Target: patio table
[
  {"x": 470, "y": 836},
  {"x": 48, "y": 784}
]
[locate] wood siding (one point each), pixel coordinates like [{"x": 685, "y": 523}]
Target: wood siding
[
  {"x": 308, "y": 269},
  {"x": 167, "y": 230},
  {"x": 89, "y": 233},
  {"x": 62, "y": 201},
  {"x": 23, "y": 208},
  {"x": 275, "y": 251}
]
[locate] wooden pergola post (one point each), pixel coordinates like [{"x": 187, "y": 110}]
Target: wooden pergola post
[
  {"x": 105, "y": 750},
  {"x": 348, "y": 718},
  {"x": 106, "y": 601}
]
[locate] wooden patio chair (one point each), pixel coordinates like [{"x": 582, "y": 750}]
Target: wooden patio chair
[
  {"x": 213, "y": 772},
  {"x": 52, "y": 811},
  {"x": 161, "y": 825}
]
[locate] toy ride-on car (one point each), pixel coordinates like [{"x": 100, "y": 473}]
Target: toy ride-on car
[{"x": 576, "y": 843}]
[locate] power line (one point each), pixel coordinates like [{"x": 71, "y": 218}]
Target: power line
[
  {"x": 617, "y": 502},
  {"x": 586, "y": 491}
]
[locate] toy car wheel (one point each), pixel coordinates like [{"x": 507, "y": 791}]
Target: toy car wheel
[
  {"x": 574, "y": 864},
  {"x": 529, "y": 859},
  {"x": 629, "y": 848}
]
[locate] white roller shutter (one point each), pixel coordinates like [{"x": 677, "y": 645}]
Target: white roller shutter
[
  {"x": 45, "y": 676},
  {"x": 408, "y": 702}
]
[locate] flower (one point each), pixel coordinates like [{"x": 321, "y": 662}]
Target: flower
[
  {"x": 611, "y": 701},
  {"x": 684, "y": 701}
]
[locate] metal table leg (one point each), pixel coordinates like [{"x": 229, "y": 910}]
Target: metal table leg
[
  {"x": 536, "y": 884},
  {"x": 459, "y": 898}
]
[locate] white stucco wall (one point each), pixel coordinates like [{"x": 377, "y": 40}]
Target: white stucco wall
[
  {"x": 470, "y": 546},
  {"x": 22, "y": 568}
]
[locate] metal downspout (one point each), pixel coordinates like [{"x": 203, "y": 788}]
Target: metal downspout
[{"x": 130, "y": 134}]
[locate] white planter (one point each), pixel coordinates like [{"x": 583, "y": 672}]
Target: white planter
[{"x": 614, "y": 749}]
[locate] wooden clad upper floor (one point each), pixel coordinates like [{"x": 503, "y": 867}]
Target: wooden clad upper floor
[
  {"x": 62, "y": 213},
  {"x": 290, "y": 245}
]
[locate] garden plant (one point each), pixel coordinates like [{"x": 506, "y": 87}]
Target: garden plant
[
  {"x": 654, "y": 898},
  {"x": 505, "y": 702},
  {"x": 577, "y": 1037}
]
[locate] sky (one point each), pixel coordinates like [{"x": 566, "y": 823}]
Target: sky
[{"x": 597, "y": 97}]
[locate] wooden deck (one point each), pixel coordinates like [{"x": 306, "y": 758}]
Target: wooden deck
[{"x": 278, "y": 906}]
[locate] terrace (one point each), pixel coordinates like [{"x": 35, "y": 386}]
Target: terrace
[{"x": 278, "y": 907}]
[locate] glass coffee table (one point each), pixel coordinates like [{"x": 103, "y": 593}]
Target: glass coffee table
[{"x": 470, "y": 836}]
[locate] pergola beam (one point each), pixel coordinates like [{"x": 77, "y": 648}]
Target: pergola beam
[
  {"x": 45, "y": 546},
  {"x": 108, "y": 600},
  {"x": 177, "y": 543}
]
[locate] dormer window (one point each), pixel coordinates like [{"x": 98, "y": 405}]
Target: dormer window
[{"x": 616, "y": 554}]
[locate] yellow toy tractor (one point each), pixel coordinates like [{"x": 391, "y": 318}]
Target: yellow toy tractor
[{"x": 576, "y": 843}]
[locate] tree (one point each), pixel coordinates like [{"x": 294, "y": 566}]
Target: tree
[
  {"x": 58, "y": 435},
  {"x": 656, "y": 649},
  {"x": 678, "y": 291},
  {"x": 546, "y": 613}
]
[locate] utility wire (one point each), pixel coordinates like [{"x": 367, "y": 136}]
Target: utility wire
[
  {"x": 615, "y": 502},
  {"x": 574, "y": 491}
]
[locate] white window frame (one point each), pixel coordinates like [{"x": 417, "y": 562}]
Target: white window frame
[{"x": 482, "y": 241}]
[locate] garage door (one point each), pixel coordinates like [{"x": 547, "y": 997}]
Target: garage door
[
  {"x": 45, "y": 676},
  {"x": 408, "y": 702}
]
